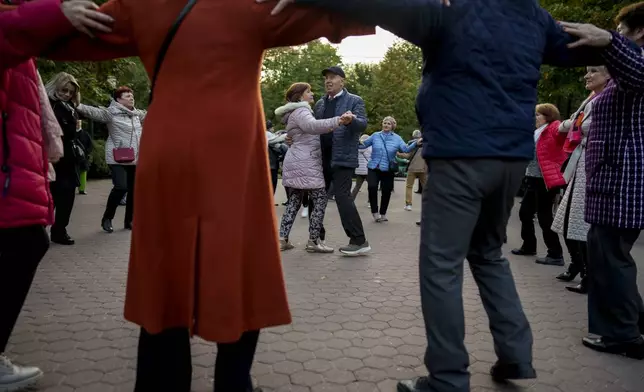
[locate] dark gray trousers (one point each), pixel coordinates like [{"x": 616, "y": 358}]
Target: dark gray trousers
[
  {"x": 614, "y": 301},
  {"x": 466, "y": 207}
]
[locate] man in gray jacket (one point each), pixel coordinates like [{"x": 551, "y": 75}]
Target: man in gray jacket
[{"x": 340, "y": 155}]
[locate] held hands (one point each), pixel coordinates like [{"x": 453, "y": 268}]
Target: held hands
[
  {"x": 347, "y": 118},
  {"x": 289, "y": 141},
  {"x": 284, "y": 3},
  {"x": 589, "y": 35},
  {"x": 85, "y": 17}
]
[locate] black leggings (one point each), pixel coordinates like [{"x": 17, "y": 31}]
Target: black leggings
[
  {"x": 21, "y": 250},
  {"x": 165, "y": 362},
  {"x": 386, "y": 181}
]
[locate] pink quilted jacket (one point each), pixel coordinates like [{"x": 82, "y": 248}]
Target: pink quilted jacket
[
  {"x": 302, "y": 168},
  {"x": 25, "y": 32}
]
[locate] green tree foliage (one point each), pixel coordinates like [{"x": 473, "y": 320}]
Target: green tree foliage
[
  {"x": 393, "y": 90},
  {"x": 564, "y": 87},
  {"x": 285, "y": 66}
]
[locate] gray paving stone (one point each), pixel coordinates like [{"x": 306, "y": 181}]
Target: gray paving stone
[{"x": 357, "y": 322}]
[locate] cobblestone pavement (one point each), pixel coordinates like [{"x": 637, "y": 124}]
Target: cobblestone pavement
[{"x": 357, "y": 322}]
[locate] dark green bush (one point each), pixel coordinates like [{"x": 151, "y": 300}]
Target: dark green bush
[{"x": 98, "y": 167}]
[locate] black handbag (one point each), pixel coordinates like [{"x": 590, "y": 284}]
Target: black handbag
[
  {"x": 393, "y": 165},
  {"x": 166, "y": 44}
]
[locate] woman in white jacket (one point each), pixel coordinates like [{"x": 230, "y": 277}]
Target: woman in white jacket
[
  {"x": 124, "y": 124},
  {"x": 364, "y": 156},
  {"x": 569, "y": 220}
]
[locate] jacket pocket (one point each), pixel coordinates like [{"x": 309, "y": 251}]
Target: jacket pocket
[{"x": 601, "y": 171}]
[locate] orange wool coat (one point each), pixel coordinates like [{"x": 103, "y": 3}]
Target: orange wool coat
[{"x": 205, "y": 252}]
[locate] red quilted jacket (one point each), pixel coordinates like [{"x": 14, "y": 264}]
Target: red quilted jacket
[
  {"x": 25, "y": 32},
  {"x": 551, "y": 156}
]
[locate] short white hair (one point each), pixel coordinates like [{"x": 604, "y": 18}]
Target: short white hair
[{"x": 416, "y": 134}]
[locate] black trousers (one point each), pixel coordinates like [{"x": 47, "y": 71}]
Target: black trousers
[
  {"x": 123, "y": 179},
  {"x": 21, "y": 250},
  {"x": 351, "y": 222},
  {"x": 539, "y": 200},
  {"x": 63, "y": 194},
  {"x": 614, "y": 302},
  {"x": 465, "y": 213},
  {"x": 165, "y": 363},
  {"x": 274, "y": 179},
  {"x": 384, "y": 179}
]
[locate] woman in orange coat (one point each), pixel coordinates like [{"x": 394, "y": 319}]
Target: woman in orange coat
[{"x": 196, "y": 266}]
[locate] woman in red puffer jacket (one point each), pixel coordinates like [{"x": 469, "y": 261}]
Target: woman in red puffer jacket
[
  {"x": 27, "y": 130},
  {"x": 544, "y": 182}
]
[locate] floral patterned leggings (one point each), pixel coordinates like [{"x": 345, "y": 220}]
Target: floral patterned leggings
[{"x": 318, "y": 198}]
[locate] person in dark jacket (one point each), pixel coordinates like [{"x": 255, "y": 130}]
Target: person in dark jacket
[
  {"x": 86, "y": 143},
  {"x": 340, "y": 155},
  {"x": 64, "y": 95},
  {"x": 475, "y": 51},
  {"x": 276, "y": 150}
]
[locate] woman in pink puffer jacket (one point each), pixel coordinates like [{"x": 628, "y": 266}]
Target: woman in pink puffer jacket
[
  {"x": 302, "y": 167},
  {"x": 29, "y": 139}
]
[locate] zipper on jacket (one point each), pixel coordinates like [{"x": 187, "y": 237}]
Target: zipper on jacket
[{"x": 5, "y": 155}]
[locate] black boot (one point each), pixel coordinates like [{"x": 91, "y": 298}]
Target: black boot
[
  {"x": 522, "y": 251},
  {"x": 581, "y": 288},
  {"x": 570, "y": 274},
  {"x": 61, "y": 237},
  {"x": 106, "y": 224}
]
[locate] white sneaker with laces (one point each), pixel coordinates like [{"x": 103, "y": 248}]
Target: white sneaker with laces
[
  {"x": 376, "y": 217},
  {"x": 318, "y": 247},
  {"x": 305, "y": 212},
  {"x": 15, "y": 378},
  {"x": 408, "y": 207}
]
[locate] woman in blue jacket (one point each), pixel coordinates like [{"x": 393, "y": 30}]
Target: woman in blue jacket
[{"x": 382, "y": 166}]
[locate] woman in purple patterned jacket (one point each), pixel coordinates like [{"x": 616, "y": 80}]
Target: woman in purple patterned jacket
[{"x": 615, "y": 187}]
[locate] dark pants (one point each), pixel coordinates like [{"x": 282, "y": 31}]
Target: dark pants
[
  {"x": 21, "y": 250},
  {"x": 465, "y": 212},
  {"x": 63, "y": 194},
  {"x": 384, "y": 179},
  {"x": 165, "y": 363},
  {"x": 349, "y": 216},
  {"x": 274, "y": 179},
  {"x": 123, "y": 178},
  {"x": 614, "y": 301},
  {"x": 539, "y": 200}
]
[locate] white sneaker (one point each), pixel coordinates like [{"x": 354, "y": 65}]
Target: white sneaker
[
  {"x": 305, "y": 212},
  {"x": 15, "y": 378},
  {"x": 376, "y": 216},
  {"x": 284, "y": 245},
  {"x": 408, "y": 207},
  {"x": 318, "y": 247}
]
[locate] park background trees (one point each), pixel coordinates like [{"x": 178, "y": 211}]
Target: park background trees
[{"x": 388, "y": 87}]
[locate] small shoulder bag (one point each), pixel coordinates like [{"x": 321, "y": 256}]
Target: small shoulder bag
[{"x": 127, "y": 154}]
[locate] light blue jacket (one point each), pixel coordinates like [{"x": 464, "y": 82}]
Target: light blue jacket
[{"x": 384, "y": 146}]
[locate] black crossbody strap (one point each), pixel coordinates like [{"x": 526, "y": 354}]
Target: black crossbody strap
[{"x": 166, "y": 43}]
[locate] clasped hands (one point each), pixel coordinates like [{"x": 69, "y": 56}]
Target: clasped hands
[{"x": 346, "y": 118}]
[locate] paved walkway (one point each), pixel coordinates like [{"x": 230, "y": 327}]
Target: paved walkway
[{"x": 357, "y": 322}]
